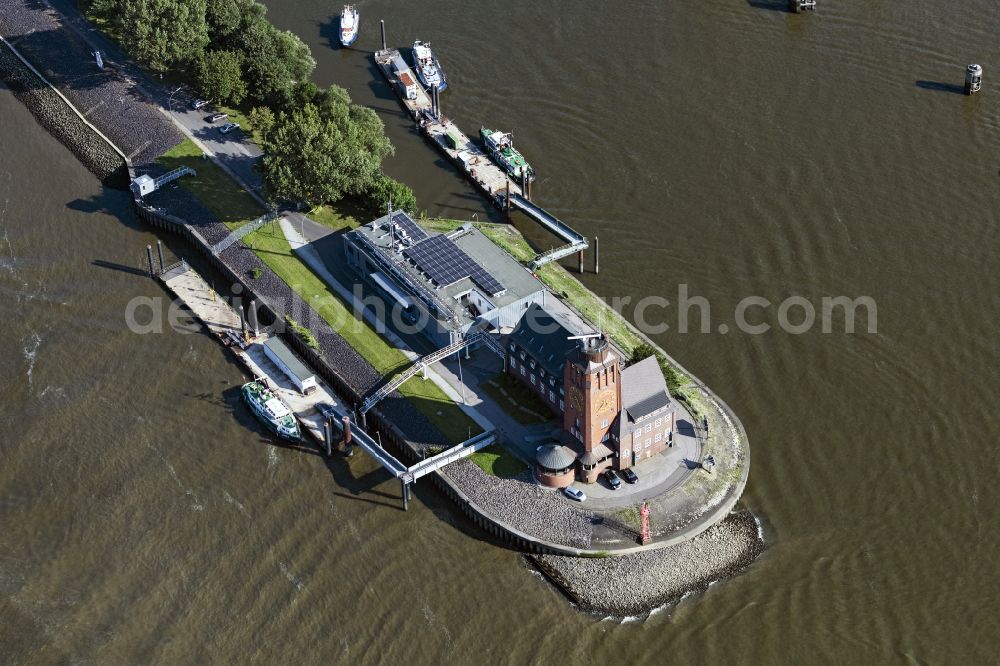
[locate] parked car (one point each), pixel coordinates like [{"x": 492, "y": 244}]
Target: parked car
[
  {"x": 199, "y": 103},
  {"x": 612, "y": 479},
  {"x": 229, "y": 127},
  {"x": 629, "y": 475},
  {"x": 574, "y": 494},
  {"x": 216, "y": 117}
]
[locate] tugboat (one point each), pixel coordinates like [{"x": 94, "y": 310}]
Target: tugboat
[
  {"x": 349, "y": 25},
  {"x": 428, "y": 69},
  {"x": 500, "y": 146},
  {"x": 271, "y": 411}
]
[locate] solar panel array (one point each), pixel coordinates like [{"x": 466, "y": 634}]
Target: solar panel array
[
  {"x": 446, "y": 264},
  {"x": 413, "y": 232}
]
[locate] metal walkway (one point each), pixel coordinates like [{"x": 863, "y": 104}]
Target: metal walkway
[
  {"x": 457, "y": 452},
  {"x": 420, "y": 365},
  {"x": 575, "y": 242},
  {"x": 247, "y": 228},
  {"x": 172, "y": 176}
]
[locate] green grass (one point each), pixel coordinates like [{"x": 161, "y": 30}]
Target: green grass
[
  {"x": 496, "y": 461},
  {"x": 340, "y": 216},
  {"x": 221, "y": 194},
  {"x": 238, "y": 116},
  {"x": 517, "y": 400},
  {"x": 272, "y": 247}
]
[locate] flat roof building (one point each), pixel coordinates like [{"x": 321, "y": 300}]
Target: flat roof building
[{"x": 442, "y": 284}]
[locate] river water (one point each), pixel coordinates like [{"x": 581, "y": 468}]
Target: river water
[{"x": 722, "y": 145}]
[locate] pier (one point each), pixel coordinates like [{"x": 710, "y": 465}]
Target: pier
[
  {"x": 321, "y": 413},
  {"x": 470, "y": 159}
]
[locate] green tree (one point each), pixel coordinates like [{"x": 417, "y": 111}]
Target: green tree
[
  {"x": 220, "y": 76},
  {"x": 385, "y": 190},
  {"x": 316, "y": 155},
  {"x": 159, "y": 33},
  {"x": 224, "y": 19},
  {"x": 261, "y": 120},
  {"x": 275, "y": 62}
]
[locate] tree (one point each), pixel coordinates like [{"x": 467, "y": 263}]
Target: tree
[
  {"x": 160, "y": 33},
  {"x": 261, "y": 120},
  {"x": 220, "y": 76},
  {"x": 318, "y": 155},
  {"x": 385, "y": 190},
  {"x": 275, "y": 61},
  {"x": 224, "y": 19}
]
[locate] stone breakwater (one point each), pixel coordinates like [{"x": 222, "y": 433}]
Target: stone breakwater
[
  {"x": 639, "y": 583},
  {"x": 59, "y": 120},
  {"x": 520, "y": 502},
  {"x": 110, "y": 99}
]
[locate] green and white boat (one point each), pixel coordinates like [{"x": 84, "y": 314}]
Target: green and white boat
[
  {"x": 500, "y": 146},
  {"x": 271, "y": 411}
]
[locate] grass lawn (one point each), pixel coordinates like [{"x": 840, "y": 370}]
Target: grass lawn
[
  {"x": 237, "y": 116},
  {"x": 342, "y": 215},
  {"x": 517, "y": 400},
  {"x": 213, "y": 186},
  {"x": 272, "y": 247},
  {"x": 495, "y": 461}
]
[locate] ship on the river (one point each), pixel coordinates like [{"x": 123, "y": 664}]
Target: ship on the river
[
  {"x": 349, "y": 19},
  {"x": 427, "y": 67},
  {"x": 500, "y": 146},
  {"x": 271, "y": 411}
]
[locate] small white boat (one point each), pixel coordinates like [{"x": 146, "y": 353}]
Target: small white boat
[
  {"x": 349, "y": 19},
  {"x": 427, "y": 66}
]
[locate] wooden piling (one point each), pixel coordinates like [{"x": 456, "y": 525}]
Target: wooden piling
[
  {"x": 328, "y": 434},
  {"x": 149, "y": 259},
  {"x": 254, "y": 326},
  {"x": 508, "y": 200},
  {"x": 579, "y": 256},
  {"x": 382, "y": 26},
  {"x": 597, "y": 264},
  {"x": 159, "y": 250}
]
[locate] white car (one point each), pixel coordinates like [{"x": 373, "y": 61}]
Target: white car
[
  {"x": 574, "y": 494},
  {"x": 199, "y": 103},
  {"x": 229, "y": 127}
]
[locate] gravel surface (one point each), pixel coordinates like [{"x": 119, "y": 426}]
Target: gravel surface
[
  {"x": 53, "y": 114},
  {"x": 523, "y": 504},
  {"x": 108, "y": 98},
  {"x": 634, "y": 584}
]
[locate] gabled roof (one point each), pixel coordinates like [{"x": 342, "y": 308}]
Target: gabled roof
[
  {"x": 644, "y": 390},
  {"x": 544, "y": 335}
]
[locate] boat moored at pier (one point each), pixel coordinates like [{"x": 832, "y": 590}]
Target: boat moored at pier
[
  {"x": 427, "y": 67},
  {"x": 349, "y": 19},
  {"x": 271, "y": 411},
  {"x": 500, "y": 146}
]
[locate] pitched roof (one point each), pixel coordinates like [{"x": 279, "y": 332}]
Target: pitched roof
[
  {"x": 555, "y": 457},
  {"x": 643, "y": 389},
  {"x": 544, "y": 334}
]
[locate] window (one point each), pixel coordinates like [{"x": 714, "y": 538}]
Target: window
[
  {"x": 625, "y": 454},
  {"x": 636, "y": 435},
  {"x": 513, "y": 362},
  {"x": 604, "y": 423},
  {"x": 649, "y": 427},
  {"x": 648, "y": 443},
  {"x": 561, "y": 406},
  {"x": 532, "y": 379},
  {"x": 522, "y": 371},
  {"x": 659, "y": 422},
  {"x": 513, "y": 347},
  {"x": 659, "y": 436},
  {"x": 552, "y": 396}
]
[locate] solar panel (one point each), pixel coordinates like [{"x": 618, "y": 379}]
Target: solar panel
[
  {"x": 413, "y": 232},
  {"x": 447, "y": 264}
]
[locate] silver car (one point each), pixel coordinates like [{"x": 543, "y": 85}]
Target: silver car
[{"x": 574, "y": 493}]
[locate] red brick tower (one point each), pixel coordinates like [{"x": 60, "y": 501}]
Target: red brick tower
[{"x": 592, "y": 381}]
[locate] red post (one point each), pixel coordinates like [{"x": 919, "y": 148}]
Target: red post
[{"x": 646, "y": 536}]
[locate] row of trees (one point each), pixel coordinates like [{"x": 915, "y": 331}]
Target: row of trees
[{"x": 319, "y": 146}]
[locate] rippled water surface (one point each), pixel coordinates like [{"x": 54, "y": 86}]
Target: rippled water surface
[{"x": 725, "y": 145}]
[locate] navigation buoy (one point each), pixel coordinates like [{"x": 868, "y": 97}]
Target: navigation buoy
[
  {"x": 973, "y": 79},
  {"x": 798, "y": 6}
]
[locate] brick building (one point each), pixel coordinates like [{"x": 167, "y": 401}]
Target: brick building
[{"x": 613, "y": 416}]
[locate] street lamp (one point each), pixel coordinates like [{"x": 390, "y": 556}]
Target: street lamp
[{"x": 170, "y": 98}]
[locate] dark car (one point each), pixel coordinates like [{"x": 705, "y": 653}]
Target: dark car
[
  {"x": 629, "y": 475},
  {"x": 612, "y": 479}
]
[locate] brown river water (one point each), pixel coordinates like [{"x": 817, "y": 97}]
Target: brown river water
[{"x": 723, "y": 145}]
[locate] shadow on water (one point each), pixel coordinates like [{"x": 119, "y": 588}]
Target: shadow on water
[
  {"x": 770, "y": 5},
  {"x": 941, "y": 87},
  {"x": 131, "y": 270}
]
